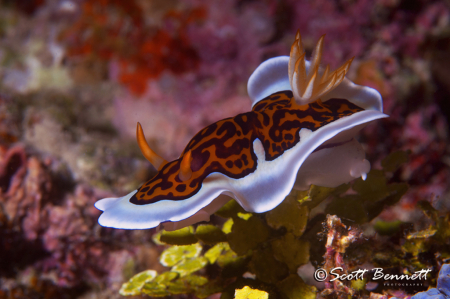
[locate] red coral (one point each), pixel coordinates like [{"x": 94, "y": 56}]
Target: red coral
[
  {"x": 143, "y": 51},
  {"x": 155, "y": 55}
]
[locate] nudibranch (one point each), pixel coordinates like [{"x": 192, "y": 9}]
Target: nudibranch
[{"x": 299, "y": 132}]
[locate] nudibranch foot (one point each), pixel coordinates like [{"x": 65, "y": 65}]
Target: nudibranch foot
[
  {"x": 201, "y": 216},
  {"x": 120, "y": 213},
  {"x": 299, "y": 132},
  {"x": 320, "y": 168}
]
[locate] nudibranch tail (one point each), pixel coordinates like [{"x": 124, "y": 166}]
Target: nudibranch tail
[
  {"x": 309, "y": 85},
  {"x": 148, "y": 153}
]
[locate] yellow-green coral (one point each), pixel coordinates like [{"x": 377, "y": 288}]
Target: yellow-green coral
[{"x": 270, "y": 247}]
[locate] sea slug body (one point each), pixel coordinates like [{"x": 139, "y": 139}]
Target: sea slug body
[{"x": 299, "y": 132}]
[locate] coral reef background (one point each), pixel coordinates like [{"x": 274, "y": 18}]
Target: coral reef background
[{"x": 76, "y": 76}]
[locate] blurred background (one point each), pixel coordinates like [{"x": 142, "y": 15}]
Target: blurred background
[{"x": 76, "y": 76}]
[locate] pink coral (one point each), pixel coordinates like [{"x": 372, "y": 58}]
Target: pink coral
[
  {"x": 59, "y": 229},
  {"x": 25, "y": 189},
  {"x": 338, "y": 239}
]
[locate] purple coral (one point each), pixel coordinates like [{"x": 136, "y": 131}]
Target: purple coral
[{"x": 442, "y": 291}]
